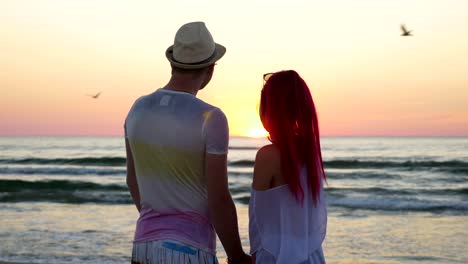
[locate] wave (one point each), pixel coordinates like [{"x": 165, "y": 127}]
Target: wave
[
  {"x": 77, "y": 192},
  {"x": 453, "y": 166},
  {"x": 363, "y": 175},
  {"x": 61, "y": 171},
  {"x": 62, "y": 191},
  {"x": 60, "y": 185},
  {"x": 242, "y": 163},
  {"x": 243, "y": 148},
  {"x": 96, "y": 161},
  {"x": 397, "y": 192},
  {"x": 399, "y": 204},
  {"x": 71, "y": 197},
  {"x": 66, "y": 185},
  {"x": 355, "y": 164},
  {"x": 390, "y": 205}
]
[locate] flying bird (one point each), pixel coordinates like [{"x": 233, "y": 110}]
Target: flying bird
[
  {"x": 94, "y": 96},
  {"x": 405, "y": 31}
]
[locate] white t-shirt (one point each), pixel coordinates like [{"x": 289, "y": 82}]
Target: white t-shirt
[{"x": 169, "y": 133}]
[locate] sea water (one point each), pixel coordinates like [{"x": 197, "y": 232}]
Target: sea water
[{"x": 390, "y": 200}]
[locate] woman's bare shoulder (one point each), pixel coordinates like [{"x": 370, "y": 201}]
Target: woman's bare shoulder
[
  {"x": 266, "y": 164},
  {"x": 269, "y": 153}
]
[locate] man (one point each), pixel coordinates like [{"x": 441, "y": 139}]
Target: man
[{"x": 177, "y": 162}]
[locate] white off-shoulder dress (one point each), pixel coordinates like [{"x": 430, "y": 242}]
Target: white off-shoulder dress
[{"x": 282, "y": 230}]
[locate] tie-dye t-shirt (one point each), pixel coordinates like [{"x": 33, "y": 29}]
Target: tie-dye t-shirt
[{"x": 169, "y": 133}]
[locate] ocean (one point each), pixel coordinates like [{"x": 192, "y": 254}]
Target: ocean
[{"x": 390, "y": 199}]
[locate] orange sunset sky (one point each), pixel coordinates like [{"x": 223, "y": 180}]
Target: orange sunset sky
[{"x": 364, "y": 77}]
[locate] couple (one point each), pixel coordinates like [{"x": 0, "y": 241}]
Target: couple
[{"x": 177, "y": 168}]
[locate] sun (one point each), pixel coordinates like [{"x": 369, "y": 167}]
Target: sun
[{"x": 257, "y": 133}]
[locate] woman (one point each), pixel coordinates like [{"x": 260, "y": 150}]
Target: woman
[{"x": 287, "y": 211}]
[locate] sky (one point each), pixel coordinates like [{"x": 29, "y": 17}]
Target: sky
[{"x": 365, "y": 79}]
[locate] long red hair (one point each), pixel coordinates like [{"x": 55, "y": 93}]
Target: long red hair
[{"x": 288, "y": 113}]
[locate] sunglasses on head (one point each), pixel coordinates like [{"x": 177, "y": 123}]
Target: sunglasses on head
[{"x": 267, "y": 76}]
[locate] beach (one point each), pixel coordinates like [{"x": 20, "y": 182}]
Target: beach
[
  {"x": 390, "y": 200},
  {"x": 92, "y": 234}
]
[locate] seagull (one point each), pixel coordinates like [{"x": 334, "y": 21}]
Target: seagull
[
  {"x": 405, "y": 31},
  {"x": 95, "y": 96}
]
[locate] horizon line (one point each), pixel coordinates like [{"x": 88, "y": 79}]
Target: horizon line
[{"x": 241, "y": 136}]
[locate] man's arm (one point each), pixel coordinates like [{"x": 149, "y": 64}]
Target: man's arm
[
  {"x": 222, "y": 210},
  {"x": 131, "y": 177}
]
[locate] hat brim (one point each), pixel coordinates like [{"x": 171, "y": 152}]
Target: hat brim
[{"x": 220, "y": 50}]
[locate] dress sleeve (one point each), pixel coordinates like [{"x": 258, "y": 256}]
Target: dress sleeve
[
  {"x": 215, "y": 132},
  {"x": 254, "y": 236}
]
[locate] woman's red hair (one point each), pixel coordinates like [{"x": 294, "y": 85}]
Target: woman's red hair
[{"x": 288, "y": 113}]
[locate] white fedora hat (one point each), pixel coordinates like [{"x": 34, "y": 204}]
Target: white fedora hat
[{"x": 194, "y": 47}]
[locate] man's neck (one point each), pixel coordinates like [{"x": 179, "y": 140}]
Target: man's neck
[{"x": 183, "y": 85}]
